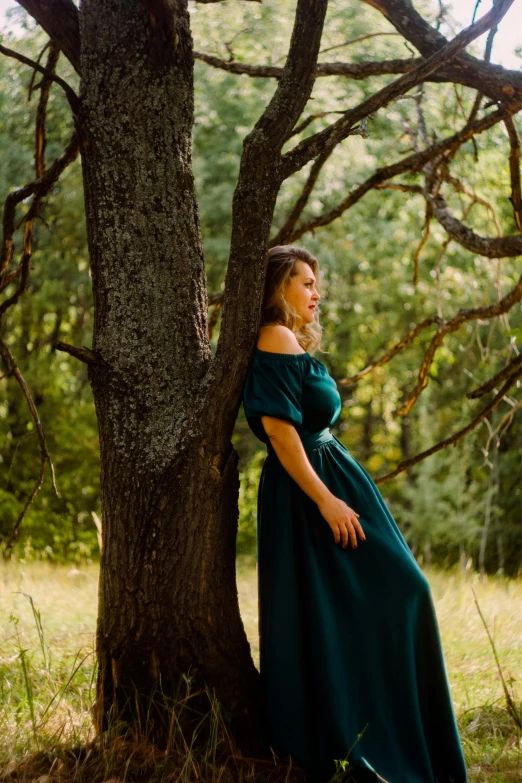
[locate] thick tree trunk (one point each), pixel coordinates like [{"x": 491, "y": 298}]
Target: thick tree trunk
[{"x": 168, "y": 600}]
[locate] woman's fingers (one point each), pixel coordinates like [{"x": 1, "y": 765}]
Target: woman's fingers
[
  {"x": 346, "y": 532},
  {"x": 347, "y": 528},
  {"x": 349, "y": 531},
  {"x": 360, "y": 530}
]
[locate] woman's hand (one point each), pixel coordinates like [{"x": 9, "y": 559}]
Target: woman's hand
[{"x": 342, "y": 520}]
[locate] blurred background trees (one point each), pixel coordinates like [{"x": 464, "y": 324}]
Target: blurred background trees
[{"x": 460, "y": 505}]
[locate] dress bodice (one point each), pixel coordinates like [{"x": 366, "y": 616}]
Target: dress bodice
[{"x": 295, "y": 387}]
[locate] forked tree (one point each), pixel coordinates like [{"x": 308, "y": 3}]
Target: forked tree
[{"x": 165, "y": 406}]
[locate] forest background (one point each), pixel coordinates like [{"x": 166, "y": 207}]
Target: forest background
[{"x": 461, "y": 505}]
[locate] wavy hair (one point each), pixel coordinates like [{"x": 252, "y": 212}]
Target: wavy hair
[{"x": 281, "y": 267}]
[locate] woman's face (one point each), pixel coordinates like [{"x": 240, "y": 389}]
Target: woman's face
[{"x": 301, "y": 292}]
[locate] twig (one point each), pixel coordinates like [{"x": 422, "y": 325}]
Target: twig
[
  {"x": 509, "y": 701},
  {"x": 44, "y": 452},
  {"x": 454, "y": 439},
  {"x": 74, "y": 101}
]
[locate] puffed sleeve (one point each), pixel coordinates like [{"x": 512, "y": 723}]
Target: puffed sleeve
[{"x": 273, "y": 388}]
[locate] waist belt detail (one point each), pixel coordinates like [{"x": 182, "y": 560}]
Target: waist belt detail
[{"x": 309, "y": 442}]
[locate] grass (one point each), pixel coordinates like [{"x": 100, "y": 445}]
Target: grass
[{"x": 47, "y": 671}]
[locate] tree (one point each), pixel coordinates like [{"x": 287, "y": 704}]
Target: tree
[{"x": 165, "y": 407}]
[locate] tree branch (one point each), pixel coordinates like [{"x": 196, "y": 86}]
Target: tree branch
[
  {"x": 256, "y": 192},
  {"x": 492, "y": 80},
  {"x": 444, "y": 328},
  {"x": 356, "y": 40},
  {"x": 74, "y": 101},
  {"x": 447, "y": 327},
  {"x": 300, "y": 204},
  {"x": 41, "y": 112},
  {"x": 59, "y": 19},
  {"x": 413, "y": 163},
  {"x": 85, "y": 355},
  {"x": 295, "y": 86},
  {"x": 461, "y": 188},
  {"x": 454, "y": 439},
  {"x": 314, "y": 145},
  {"x": 397, "y": 348},
  {"x": 44, "y": 452},
  {"x": 491, "y": 247},
  {"x": 488, "y": 386},
  {"x": 514, "y": 170},
  {"x": 499, "y": 84},
  {"x": 40, "y": 187}
]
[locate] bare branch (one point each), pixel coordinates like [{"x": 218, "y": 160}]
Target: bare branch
[
  {"x": 407, "y": 340},
  {"x": 74, "y": 101},
  {"x": 259, "y": 182},
  {"x": 423, "y": 240},
  {"x": 85, "y": 355},
  {"x": 499, "y": 85},
  {"x": 300, "y": 204},
  {"x": 402, "y": 187},
  {"x": 510, "y": 704},
  {"x": 59, "y": 19},
  {"x": 44, "y": 452},
  {"x": 444, "y": 327},
  {"x": 506, "y": 372},
  {"x": 306, "y": 122},
  {"x": 41, "y": 112},
  {"x": 505, "y": 422},
  {"x": 447, "y": 327},
  {"x": 514, "y": 169},
  {"x": 461, "y": 188},
  {"x": 40, "y": 187},
  {"x": 491, "y": 247},
  {"x": 454, "y": 439},
  {"x": 295, "y": 86},
  {"x": 413, "y": 163},
  {"x": 271, "y": 71},
  {"x": 356, "y": 40},
  {"x": 311, "y": 147}
]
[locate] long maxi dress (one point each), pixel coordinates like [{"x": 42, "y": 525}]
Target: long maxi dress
[{"x": 351, "y": 661}]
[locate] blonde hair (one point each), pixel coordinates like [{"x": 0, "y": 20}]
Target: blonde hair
[{"x": 282, "y": 265}]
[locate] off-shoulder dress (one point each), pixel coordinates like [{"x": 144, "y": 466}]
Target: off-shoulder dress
[{"x": 351, "y": 660}]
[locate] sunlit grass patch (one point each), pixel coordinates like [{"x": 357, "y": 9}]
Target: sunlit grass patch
[{"x": 47, "y": 677}]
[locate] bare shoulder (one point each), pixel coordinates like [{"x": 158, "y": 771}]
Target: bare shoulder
[{"x": 278, "y": 339}]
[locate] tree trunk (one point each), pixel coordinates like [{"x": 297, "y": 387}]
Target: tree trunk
[{"x": 168, "y": 601}]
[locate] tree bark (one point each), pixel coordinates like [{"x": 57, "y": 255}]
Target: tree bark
[{"x": 168, "y": 602}]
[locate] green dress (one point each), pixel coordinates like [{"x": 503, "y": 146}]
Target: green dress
[{"x": 351, "y": 661}]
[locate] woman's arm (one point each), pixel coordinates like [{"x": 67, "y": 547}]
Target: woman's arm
[{"x": 291, "y": 453}]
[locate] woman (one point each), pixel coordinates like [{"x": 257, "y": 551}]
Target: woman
[{"x": 351, "y": 660}]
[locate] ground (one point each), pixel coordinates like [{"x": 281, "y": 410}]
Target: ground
[{"x": 48, "y": 619}]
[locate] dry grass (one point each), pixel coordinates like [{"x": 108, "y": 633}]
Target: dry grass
[{"x": 47, "y": 672}]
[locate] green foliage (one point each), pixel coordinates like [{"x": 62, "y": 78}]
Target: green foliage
[
  {"x": 249, "y": 477},
  {"x": 369, "y": 300},
  {"x": 442, "y": 511}
]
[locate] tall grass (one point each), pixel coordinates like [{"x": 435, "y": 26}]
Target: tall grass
[{"x": 47, "y": 676}]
